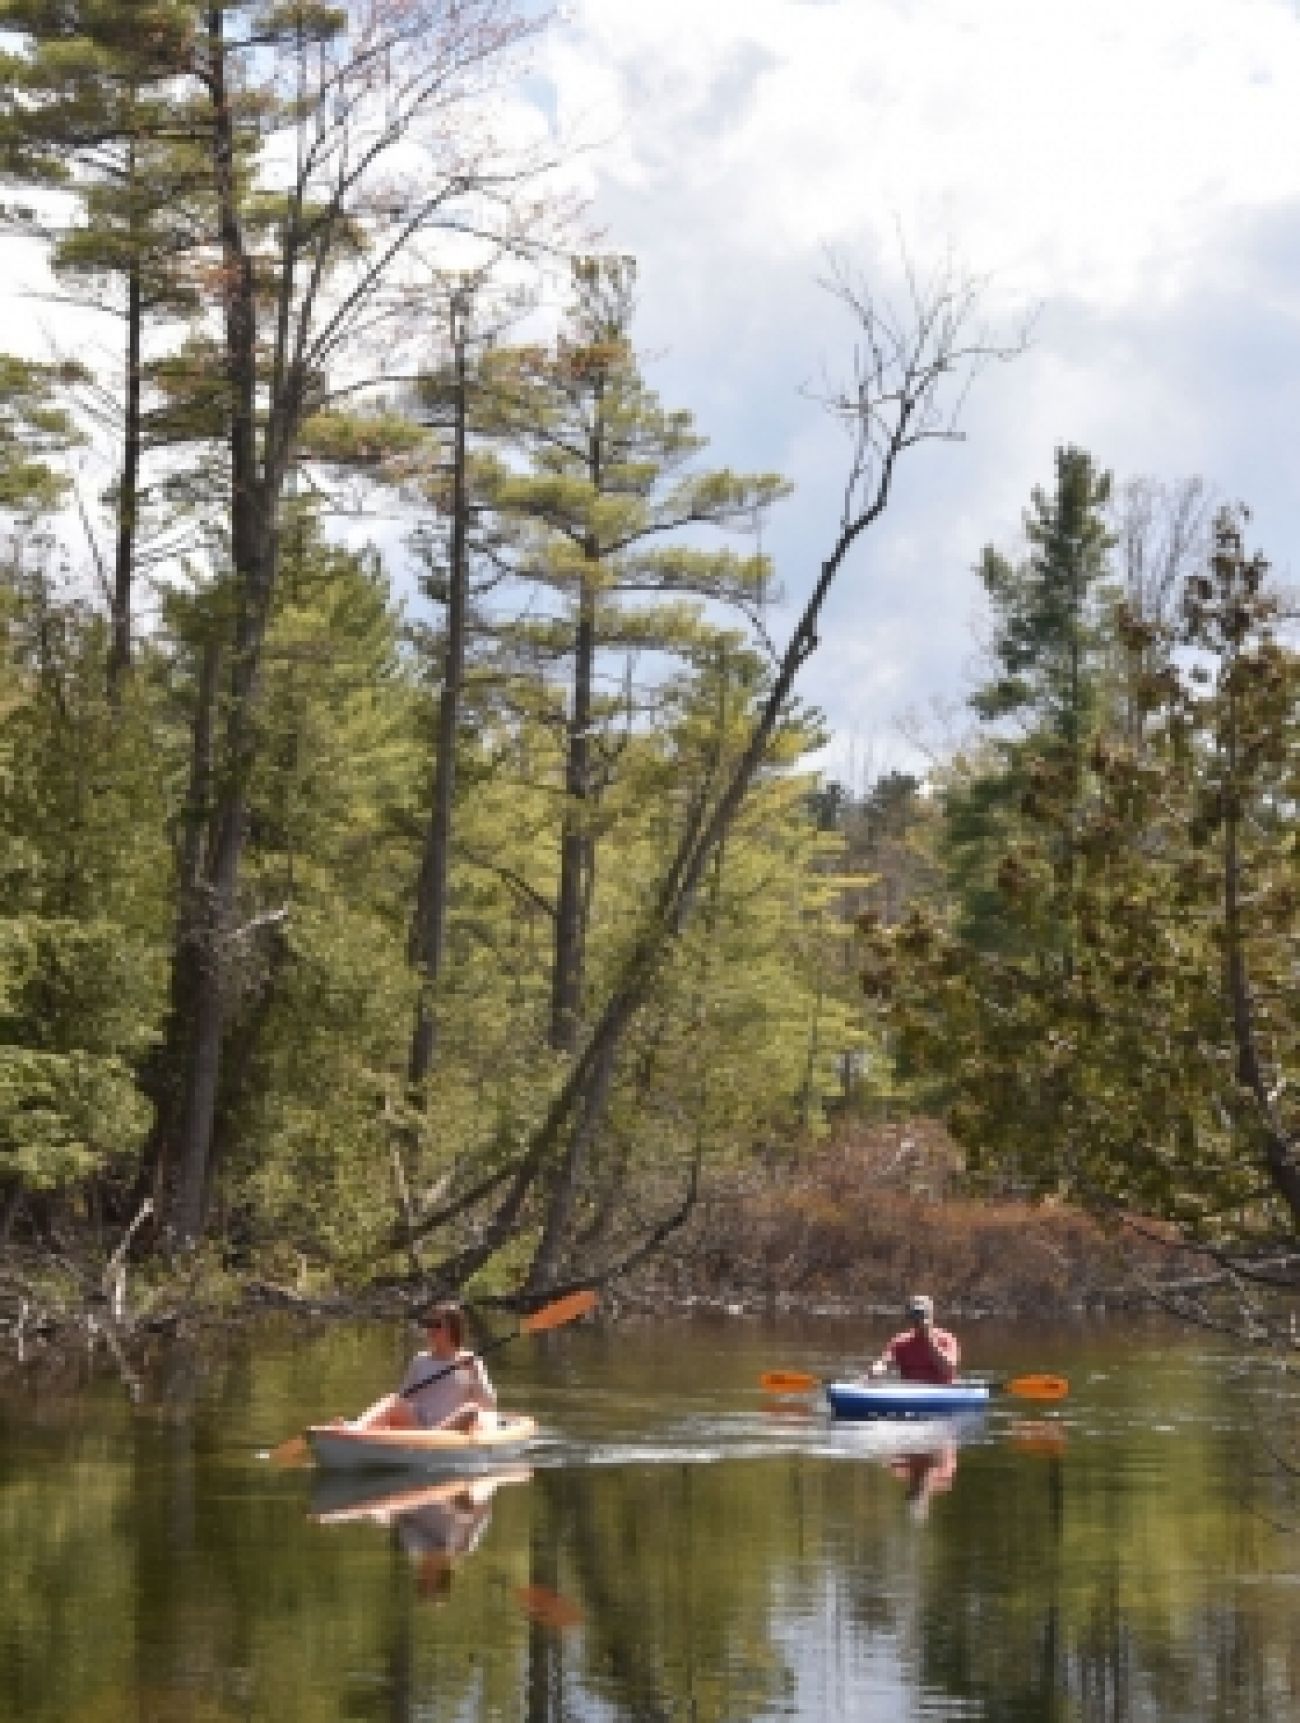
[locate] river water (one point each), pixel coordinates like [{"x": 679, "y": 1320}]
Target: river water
[{"x": 677, "y": 1545}]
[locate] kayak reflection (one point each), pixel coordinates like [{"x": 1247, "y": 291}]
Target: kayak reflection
[{"x": 435, "y": 1524}]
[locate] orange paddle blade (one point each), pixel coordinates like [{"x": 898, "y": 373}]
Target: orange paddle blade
[
  {"x": 1037, "y": 1387},
  {"x": 788, "y": 1382},
  {"x": 787, "y": 1414},
  {"x": 556, "y": 1315},
  {"x": 290, "y": 1453},
  {"x": 1046, "y": 1440},
  {"x": 548, "y": 1608}
]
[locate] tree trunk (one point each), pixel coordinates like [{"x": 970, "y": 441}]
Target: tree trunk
[
  {"x": 1280, "y": 1159},
  {"x": 430, "y": 931},
  {"x": 575, "y": 843},
  {"x": 254, "y": 496},
  {"x": 168, "y": 1064},
  {"x": 128, "y": 502},
  {"x": 568, "y": 1178}
]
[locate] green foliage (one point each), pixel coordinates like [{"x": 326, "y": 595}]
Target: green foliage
[
  {"x": 322, "y": 986},
  {"x": 65, "y": 1116},
  {"x": 1150, "y": 1068},
  {"x": 1050, "y": 629},
  {"x": 84, "y": 893},
  {"x": 33, "y": 430},
  {"x": 360, "y": 439},
  {"x": 1044, "y": 609}
]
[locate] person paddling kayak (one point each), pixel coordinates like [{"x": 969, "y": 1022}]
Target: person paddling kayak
[
  {"x": 920, "y": 1352},
  {"x": 445, "y": 1387}
]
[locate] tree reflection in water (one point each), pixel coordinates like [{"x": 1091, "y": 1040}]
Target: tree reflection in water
[{"x": 1131, "y": 1557}]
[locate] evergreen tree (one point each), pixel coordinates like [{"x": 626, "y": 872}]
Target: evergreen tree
[
  {"x": 462, "y": 400},
  {"x": 85, "y": 879},
  {"x": 321, "y": 195},
  {"x": 319, "y": 982},
  {"x": 92, "y": 113},
  {"x": 1050, "y": 633},
  {"x": 1154, "y": 1071},
  {"x": 611, "y": 478}
]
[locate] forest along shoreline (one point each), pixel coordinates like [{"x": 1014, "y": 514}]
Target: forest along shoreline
[{"x": 841, "y": 1229}]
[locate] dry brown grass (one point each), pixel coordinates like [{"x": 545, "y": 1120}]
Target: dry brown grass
[{"x": 859, "y": 1222}]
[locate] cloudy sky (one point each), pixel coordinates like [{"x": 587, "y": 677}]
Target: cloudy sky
[{"x": 1131, "y": 168}]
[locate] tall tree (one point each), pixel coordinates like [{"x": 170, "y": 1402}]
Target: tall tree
[
  {"x": 897, "y": 400},
  {"x": 91, "y": 114},
  {"x": 462, "y": 401},
  {"x": 318, "y": 986},
  {"x": 1048, "y": 649},
  {"x": 341, "y": 142},
  {"x": 612, "y": 477}
]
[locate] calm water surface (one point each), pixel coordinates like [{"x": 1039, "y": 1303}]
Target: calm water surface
[{"x": 675, "y": 1547}]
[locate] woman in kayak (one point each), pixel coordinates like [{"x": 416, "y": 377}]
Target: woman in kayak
[
  {"x": 444, "y": 1388},
  {"x": 921, "y": 1352}
]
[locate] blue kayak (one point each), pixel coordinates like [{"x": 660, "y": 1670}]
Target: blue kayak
[{"x": 856, "y": 1401}]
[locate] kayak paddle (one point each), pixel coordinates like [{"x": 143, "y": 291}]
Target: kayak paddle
[
  {"x": 553, "y": 1315},
  {"x": 548, "y": 1608},
  {"x": 1040, "y": 1437},
  {"x": 1023, "y": 1387}
]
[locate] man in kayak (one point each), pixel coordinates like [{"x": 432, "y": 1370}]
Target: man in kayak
[
  {"x": 921, "y": 1352},
  {"x": 445, "y": 1387}
]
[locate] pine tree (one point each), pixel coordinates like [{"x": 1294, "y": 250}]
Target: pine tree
[
  {"x": 1152, "y": 1073},
  {"x": 1049, "y": 644},
  {"x": 92, "y": 114},
  {"x": 312, "y": 115},
  {"x": 84, "y": 892},
  {"x": 612, "y": 477}
]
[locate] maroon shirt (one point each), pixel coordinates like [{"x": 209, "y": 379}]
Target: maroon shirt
[{"x": 911, "y": 1352}]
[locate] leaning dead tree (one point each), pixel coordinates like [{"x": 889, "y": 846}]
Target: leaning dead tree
[{"x": 913, "y": 364}]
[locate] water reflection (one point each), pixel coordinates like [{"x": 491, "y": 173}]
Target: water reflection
[
  {"x": 435, "y": 1524},
  {"x": 671, "y": 1550},
  {"x": 926, "y": 1475}
]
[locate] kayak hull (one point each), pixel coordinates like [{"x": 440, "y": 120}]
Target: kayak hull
[
  {"x": 380, "y": 1497},
  {"x": 857, "y": 1402},
  {"x": 340, "y": 1449}
]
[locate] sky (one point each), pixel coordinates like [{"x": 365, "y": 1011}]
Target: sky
[
  {"x": 1129, "y": 173},
  {"x": 1126, "y": 173}
]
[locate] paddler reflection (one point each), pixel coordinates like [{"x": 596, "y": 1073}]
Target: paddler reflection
[
  {"x": 925, "y": 1475},
  {"x": 436, "y": 1524}
]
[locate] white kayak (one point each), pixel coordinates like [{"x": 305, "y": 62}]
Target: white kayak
[{"x": 343, "y": 1449}]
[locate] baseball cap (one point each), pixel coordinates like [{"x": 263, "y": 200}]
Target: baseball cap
[{"x": 920, "y": 1304}]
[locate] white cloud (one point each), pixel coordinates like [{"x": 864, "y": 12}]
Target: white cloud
[{"x": 1133, "y": 167}]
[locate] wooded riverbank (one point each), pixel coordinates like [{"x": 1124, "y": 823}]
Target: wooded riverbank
[{"x": 843, "y": 1229}]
